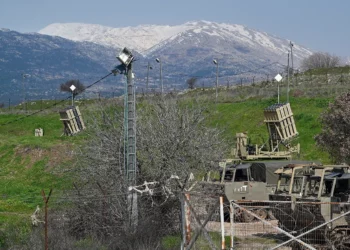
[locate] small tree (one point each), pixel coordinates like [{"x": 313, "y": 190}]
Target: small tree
[
  {"x": 320, "y": 60},
  {"x": 191, "y": 82},
  {"x": 335, "y": 135},
  {"x": 172, "y": 139},
  {"x": 65, "y": 87}
]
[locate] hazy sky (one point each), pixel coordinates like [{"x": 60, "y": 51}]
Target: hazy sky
[{"x": 320, "y": 25}]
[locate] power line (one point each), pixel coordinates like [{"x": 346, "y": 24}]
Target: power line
[
  {"x": 234, "y": 74},
  {"x": 53, "y": 105}
]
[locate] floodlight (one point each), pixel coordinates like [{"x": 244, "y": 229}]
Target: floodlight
[
  {"x": 278, "y": 77},
  {"x": 157, "y": 60},
  {"x": 125, "y": 57},
  {"x": 215, "y": 61}
]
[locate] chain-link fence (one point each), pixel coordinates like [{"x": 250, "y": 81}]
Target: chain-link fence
[
  {"x": 287, "y": 223},
  {"x": 301, "y": 224}
]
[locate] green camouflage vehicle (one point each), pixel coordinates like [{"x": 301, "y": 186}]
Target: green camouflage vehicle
[
  {"x": 317, "y": 194},
  {"x": 243, "y": 181}
]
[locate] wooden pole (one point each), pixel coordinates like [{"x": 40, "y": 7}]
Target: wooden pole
[
  {"x": 188, "y": 220},
  {"x": 46, "y": 201},
  {"x": 232, "y": 220},
  {"x": 183, "y": 222},
  {"x": 222, "y": 222}
]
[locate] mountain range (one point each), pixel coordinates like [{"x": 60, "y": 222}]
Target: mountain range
[{"x": 64, "y": 51}]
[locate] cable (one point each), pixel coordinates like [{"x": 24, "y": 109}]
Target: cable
[
  {"x": 89, "y": 86},
  {"x": 66, "y": 197},
  {"x": 55, "y": 104},
  {"x": 235, "y": 74},
  {"x": 36, "y": 112}
]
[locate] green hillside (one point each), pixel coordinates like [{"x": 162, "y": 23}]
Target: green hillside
[
  {"x": 248, "y": 117},
  {"x": 29, "y": 164}
]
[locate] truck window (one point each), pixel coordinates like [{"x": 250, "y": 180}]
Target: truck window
[
  {"x": 241, "y": 175},
  {"x": 228, "y": 175}
]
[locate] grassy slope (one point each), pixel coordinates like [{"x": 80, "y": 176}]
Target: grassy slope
[
  {"x": 27, "y": 162},
  {"x": 248, "y": 116},
  {"x": 26, "y": 165}
]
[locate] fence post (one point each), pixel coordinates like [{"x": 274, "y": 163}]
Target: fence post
[
  {"x": 46, "y": 201},
  {"x": 222, "y": 222},
  {"x": 188, "y": 220},
  {"x": 183, "y": 222},
  {"x": 232, "y": 221}
]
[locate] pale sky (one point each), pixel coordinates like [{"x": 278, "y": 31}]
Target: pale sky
[{"x": 320, "y": 25}]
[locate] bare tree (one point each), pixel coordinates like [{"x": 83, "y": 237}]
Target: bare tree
[
  {"x": 320, "y": 60},
  {"x": 65, "y": 87},
  {"x": 191, "y": 82},
  {"x": 335, "y": 134},
  {"x": 172, "y": 139}
]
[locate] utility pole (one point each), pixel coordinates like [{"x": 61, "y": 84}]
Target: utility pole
[
  {"x": 72, "y": 88},
  {"x": 23, "y": 89},
  {"x": 148, "y": 68},
  {"x": 46, "y": 201},
  {"x": 131, "y": 138},
  {"x": 131, "y": 156},
  {"x": 288, "y": 80},
  {"x": 158, "y": 60},
  {"x": 278, "y": 78},
  {"x": 278, "y": 92},
  {"x": 291, "y": 54},
  {"x": 126, "y": 58},
  {"x": 217, "y": 80}
]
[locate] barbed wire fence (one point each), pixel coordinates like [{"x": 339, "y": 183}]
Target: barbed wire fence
[{"x": 212, "y": 222}]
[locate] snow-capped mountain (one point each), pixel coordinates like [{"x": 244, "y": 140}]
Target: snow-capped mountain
[
  {"x": 138, "y": 38},
  {"x": 48, "y": 61},
  {"x": 61, "y": 52},
  {"x": 145, "y": 38}
]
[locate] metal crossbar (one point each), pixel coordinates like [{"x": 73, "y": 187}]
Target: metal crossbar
[{"x": 277, "y": 228}]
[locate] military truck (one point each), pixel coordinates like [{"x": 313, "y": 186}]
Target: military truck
[
  {"x": 315, "y": 192},
  {"x": 243, "y": 181}
]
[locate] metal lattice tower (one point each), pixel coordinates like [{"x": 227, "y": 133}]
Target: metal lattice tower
[
  {"x": 126, "y": 58},
  {"x": 130, "y": 128}
]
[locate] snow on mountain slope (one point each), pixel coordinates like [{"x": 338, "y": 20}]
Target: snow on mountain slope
[
  {"x": 146, "y": 38},
  {"x": 139, "y": 38}
]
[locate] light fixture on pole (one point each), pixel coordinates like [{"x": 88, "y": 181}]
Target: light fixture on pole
[
  {"x": 126, "y": 58},
  {"x": 24, "y": 90},
  {"x": 288, "y": 79},
  {"x": 217, "y": 79},
  {"x": 72, "y": 87},
  {"x": 158, "y": 60},
  {"x": 278, "y": 78},
  {"x": 148, "y": 68},
  {"x": 291, "y": 56}
]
